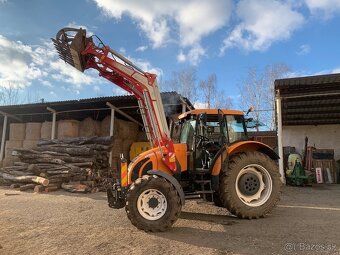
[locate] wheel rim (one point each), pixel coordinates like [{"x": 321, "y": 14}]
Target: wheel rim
[
  {"x": 254, "y": 185},
  {"x": 152, "y": 204}
]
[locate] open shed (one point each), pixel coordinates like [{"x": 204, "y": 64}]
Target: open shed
[
  {"x": 118, "y": 116},
  {"x": 308, "y": 107}
]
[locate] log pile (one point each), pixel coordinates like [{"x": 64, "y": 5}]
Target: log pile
[{"x": 74, "y": 164}]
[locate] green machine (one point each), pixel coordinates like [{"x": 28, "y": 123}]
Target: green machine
[{"x": 296, "y": 175}]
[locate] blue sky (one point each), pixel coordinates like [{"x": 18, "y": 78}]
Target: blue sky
[{"x": 219, "y": 36}]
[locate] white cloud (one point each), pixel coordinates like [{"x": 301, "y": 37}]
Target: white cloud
[
  {"x": 96, "y": 88},
  {"x": 200, "y": 105},
  {"x": 303, "y": 50},
  {"x": 76, "y": 25},
  {"x": 18, "y": 63},
  {"x": 3, "y": 1},
  {"x": 146, "y": 66},
  {"x": 65, "y": 73},
  {"x": 263, "y": 22},
  {"x": 193, "y": 56},
  {"x": 325, "y": 7},
  {"x": 142, "y": 48},
  {"x": 181, "y": 57},
  {"x": 164, "y": 21},
  {"x": 53, "y": 94}
]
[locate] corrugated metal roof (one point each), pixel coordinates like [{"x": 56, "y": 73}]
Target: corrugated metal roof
[
  {"x": 312, "y": 100},
  {"x": 90, "y": 107}
]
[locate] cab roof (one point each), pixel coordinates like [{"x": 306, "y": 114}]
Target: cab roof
[{"x": 209, "y": 112}]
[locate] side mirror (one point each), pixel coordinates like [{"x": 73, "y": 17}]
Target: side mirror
[
  {"x": 251, "y": 109},
  {"x": 202, "y": 119}
]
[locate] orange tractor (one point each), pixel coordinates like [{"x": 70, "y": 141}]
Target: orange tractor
[{"x": 206, "y": 155}]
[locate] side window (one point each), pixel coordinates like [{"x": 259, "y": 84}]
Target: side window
[{"x": 187, "y": 134}]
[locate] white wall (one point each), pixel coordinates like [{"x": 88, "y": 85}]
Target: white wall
[{"x": 322, "y": 137}]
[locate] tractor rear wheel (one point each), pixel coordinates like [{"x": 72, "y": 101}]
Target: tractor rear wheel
[
  {"x": 152, "y": 204},
  {"x": 250, "y": 187}
]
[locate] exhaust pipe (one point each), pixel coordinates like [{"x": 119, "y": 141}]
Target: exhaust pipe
[{"x": 69, "y": 43}]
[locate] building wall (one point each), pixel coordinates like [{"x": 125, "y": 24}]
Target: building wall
[{"x": 322, "y": 137}]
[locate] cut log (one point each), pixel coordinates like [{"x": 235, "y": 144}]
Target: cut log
[
  {"x": 17, "y": 173},
  {"x": 21, "y": 179},
  {"x": 20, "y": 164},
  {"x": 39, "y": 188},
  {"x": 40, "y": 180},
  {"x": 14, "y": 186},
  {"x": 68, "y": 150},
  {"x": 51, "y": 188},
  {"x": 57, "y": 172},
  {"x": 27, "y": 187},
  {"x": 75, "y": 187}
]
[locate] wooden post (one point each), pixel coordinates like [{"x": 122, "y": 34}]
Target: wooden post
[
  {"x": 3, "y": 137},
  {"x": 112, "y": 122},
  {"x": 279, "y": 136},
  {"x": 54, "y": 118}
]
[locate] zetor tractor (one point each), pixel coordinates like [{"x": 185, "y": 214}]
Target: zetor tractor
[{"x": 206, "y": 155}]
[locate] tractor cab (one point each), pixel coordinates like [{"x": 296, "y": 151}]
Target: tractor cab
[{"x": 207, "y": 132}]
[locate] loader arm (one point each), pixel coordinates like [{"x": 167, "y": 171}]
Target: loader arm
[{"x": 80, "y": 51}]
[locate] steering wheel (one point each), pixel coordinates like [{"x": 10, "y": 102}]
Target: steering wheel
[{"x": 201, "y": 139}]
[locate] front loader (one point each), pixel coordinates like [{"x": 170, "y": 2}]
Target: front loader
[{"x": 206, "y": 155}]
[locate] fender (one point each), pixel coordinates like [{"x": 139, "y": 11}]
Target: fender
[
  {"x": 252, "y": 146},
  {"x": 172, "y": 180}
]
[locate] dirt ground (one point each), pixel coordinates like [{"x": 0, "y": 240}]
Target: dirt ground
[{"x": 307, "y": 221}]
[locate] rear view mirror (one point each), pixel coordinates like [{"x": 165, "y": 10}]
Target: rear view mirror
[
  {"x": 202, "y": 119},
  {"x": 251, "y": 109}
]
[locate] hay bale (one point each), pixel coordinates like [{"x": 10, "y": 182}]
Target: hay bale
[
  {"x": 105, "y": 126},
  {"x": 17, "y": 131},
  {"x": 117, "y": 147},
  {"x": 117, "y": 126},
  {"x": 46, "y": 130},
  {"x": 29, "y": 144},
  {"x": 125, "y": 129},
  {"x": 68, "y": 128},
  {"x": 89, "y": 127},
  {"x": 10, "y": 145},
  {"x": 33, "y": 130}
]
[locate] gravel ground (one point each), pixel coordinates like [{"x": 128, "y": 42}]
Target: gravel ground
[{"x": 307, "y": 221}]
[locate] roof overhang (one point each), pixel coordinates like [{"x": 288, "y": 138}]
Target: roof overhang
[{"x": 312, "y": 100}]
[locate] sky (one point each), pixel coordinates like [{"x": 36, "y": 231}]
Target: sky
[{"x": 223, "y": 37}]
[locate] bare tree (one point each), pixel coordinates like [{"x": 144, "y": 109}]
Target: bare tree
[
  {"x": 257, "y": 90},
  {"x": 184, "y": 82},
  {"x": 208, "y": 89},
  {"x": 222, "y": 101},
  {"x": 9, "y": 95}
]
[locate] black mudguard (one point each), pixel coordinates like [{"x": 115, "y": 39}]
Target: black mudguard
[{"x": 173, "y": 181}]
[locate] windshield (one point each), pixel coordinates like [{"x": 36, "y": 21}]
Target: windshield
[{"x": 236, "y": 128}]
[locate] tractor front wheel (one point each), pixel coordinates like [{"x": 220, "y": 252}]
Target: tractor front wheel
[{"x": 152, "y": 204}]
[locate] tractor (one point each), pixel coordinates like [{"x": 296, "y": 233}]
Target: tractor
[{"x": 206, "y": 154}]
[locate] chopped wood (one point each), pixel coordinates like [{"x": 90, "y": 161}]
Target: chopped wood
[
  {"x": 27, "y": 187},
  {"x": 51, "y": 188},
  {"x": 57, "y": 172},
  {"x": 39, "y": 188},
  {"x": 14, "y": 186},
  {"x": 54, "y": 162},
  {"x": 40, "y": 180},
  {"x": 75, "y": 188},
  {"x": 20, "y": 164}
]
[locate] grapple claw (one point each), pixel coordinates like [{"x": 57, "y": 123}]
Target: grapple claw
[{"x": 69, "y": 43}]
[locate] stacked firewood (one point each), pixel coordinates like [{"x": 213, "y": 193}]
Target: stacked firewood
[{"x": 74, "y": 164}]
